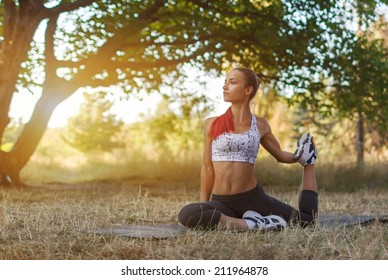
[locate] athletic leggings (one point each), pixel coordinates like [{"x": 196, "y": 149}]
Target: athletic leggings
[{"x": 206, "y": 215}]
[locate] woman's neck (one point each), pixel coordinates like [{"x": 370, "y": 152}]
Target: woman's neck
[{"x": 241, "y": 113}]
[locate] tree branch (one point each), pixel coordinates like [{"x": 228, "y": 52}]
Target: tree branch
[
  {"x": 253, "y": 13},
  {"x": 153, "y": 9},
  {"x": 67, "y": 7},
  {"x": 9, "y": 18},
  {"x": 51, "y": 61},
  {"x": 95, "y": 63},
  {"x": 86, "y": 78}
]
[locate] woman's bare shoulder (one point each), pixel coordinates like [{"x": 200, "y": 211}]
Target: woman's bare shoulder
[
  {"x": 263, "y": 125},
  {"x": 209, "y": 121}
]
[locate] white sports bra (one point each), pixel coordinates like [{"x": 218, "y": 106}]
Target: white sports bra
[{"x": 242, "y": 147}]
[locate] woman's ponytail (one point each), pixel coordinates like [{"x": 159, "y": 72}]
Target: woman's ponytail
[{"x": 223, "y": 123}]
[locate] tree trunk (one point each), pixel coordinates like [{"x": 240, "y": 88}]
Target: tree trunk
[
  {"x": 19, "y": 25},
  {"x": 11, "y": 163},
  {"x": 5, "y": 102},
  {"x": 20, "y": 21},
  {"x": 360, "y": 141}
]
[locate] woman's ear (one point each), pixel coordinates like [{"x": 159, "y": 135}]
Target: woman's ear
[{"x": 248, "y": 90}]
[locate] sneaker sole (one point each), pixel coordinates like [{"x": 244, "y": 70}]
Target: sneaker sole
[{"x": 298, "y": 152}]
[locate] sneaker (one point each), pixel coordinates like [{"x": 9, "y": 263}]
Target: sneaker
[
  {"x": 302, "y": 140},
  {"x": 309, "y": 155},
  {"x": 271, "y": 222}
]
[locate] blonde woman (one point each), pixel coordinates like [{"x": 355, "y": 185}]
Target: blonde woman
[{"x": 230, "y": 196}]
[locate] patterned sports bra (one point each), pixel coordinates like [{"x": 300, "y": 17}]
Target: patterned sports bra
[{"x": 242, "y": 147}]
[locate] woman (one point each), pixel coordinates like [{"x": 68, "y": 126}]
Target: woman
[{"x": 230, "y": 195}]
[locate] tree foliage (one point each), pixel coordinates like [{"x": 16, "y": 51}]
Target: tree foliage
[
  {"x": 353, "y": 73},
  {"x": 176, "y": 126},
  {"x": 348, "y": 76},
  {"x": 144, "y": 44},
  {"x": 95, "y": 127}
]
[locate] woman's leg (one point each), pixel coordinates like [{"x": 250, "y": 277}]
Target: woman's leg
[
  {"x": 308, "y": 202},
  {"x": 204, "y": 215},
  {"x": 258, "y": 201},
  {"x": 227, "y": 222},
  {"x": 223, "y": 211},
  {"x": 228, "y": 214},
  {"x": 308, "y": 199},
  {"x": 309, "y": 181}
]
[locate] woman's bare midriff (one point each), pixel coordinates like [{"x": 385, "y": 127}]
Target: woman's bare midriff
[{"x": 233, "y": 177}]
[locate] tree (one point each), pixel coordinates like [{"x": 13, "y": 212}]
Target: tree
[
  {"x": 19, "y": 23},
  {"x": 94, "y": 128},
  {"x": 354, "y": 78},
  {"x": 141, "y": 45},
  {"x": 175, "y": 129}
]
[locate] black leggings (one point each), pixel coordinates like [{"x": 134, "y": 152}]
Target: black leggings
[{"x": 206, "y": 215}]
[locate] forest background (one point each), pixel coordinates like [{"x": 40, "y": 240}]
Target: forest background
[{"x": 325, "y": 73}]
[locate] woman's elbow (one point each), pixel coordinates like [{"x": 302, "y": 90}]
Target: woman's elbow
[
  {"x": 207, "y": 169},
  {"x": 281, "y": 158}
]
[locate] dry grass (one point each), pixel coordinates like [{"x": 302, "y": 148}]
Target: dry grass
[
  {"x": 58, "y": 222},
  {"x": 134, "y": 186}
]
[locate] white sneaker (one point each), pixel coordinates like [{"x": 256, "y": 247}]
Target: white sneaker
[
  {"x": 309, "y": 155},
  {"x": 302, "y": 140},
  {"x": 271, "y": 222}
]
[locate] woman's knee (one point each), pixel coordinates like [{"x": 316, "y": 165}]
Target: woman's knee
[
  {"x": 308, "y": 219},
  {"x": 197, "y": 215},
  {"x": 185, "y": 215},
  {"x": 308, "y": 207}
]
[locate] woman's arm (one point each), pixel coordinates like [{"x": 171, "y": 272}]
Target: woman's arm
[
  {"x": 207, "y": 170},
  {"x": 271, "y": 144}
]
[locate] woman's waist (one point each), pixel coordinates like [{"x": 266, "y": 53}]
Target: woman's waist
[
  {"x": 233, "y": 177},
  {"x": 231, "y": 170},
  {"x": 242, "y": 194},
  {"x": 228, "y": 186}
]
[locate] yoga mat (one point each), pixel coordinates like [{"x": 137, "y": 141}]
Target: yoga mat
[
  {"x": 349, "y": 220},
  {"x": 157, "y": 231},
  {"x": 163, "y": 231}
]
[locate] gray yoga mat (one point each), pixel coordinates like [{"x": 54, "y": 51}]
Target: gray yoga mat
[
  {"x": 157, "y": 231},
  {"x": 349, "y": 220},
  {"x": 162, "y": 231}
]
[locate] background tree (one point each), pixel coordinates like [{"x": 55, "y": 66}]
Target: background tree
[
  {"x": 18, "y": 25},
  {"x": 95, "y": 127},
  {"x": 354, "y": 79},
  {"x": 177, "y": 124},
  {"x": 143, "y": 44}
]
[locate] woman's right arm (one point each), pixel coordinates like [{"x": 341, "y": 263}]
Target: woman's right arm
[{"x": 207, "y": 170}]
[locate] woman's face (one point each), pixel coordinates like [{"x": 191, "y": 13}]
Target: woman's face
[{"x": 234, "y": 88}]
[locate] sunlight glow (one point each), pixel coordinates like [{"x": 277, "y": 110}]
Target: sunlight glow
[{"x": 129, "y": 110}]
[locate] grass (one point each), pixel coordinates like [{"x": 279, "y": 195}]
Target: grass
[
  {"x": 57, "y": 221},
  {"x": 74, "y": 194}
]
